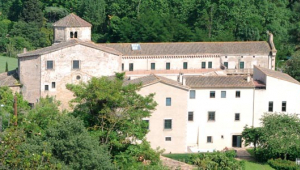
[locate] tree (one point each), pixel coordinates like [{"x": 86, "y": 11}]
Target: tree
[
  {"x": 112, "y": 112},
  {"x": 292, "y": 66},
  {"x": 32, "y": 12},
  {"x": 252, "y": 135},
  {"x": 6, "y": 67}
]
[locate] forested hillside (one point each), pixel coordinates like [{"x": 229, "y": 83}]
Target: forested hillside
[{"x": 27, "y": 23}]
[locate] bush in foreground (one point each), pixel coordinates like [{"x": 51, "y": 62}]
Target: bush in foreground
[{"x": 280, "y": 164}]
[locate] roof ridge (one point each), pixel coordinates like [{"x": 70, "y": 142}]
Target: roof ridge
[{"x": 187, "y": 42}]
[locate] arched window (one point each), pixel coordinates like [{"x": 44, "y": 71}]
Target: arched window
[
  {"x": 75, "y": 35},
  {"x": 71, "y": 35}
]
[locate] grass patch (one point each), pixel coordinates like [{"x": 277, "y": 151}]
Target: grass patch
[
  {"x": 12, "y": 63},
  {"x": 255, "y": 165},
  {"x": 180, "y": 157}
]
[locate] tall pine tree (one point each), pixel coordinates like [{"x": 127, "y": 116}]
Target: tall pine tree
[{"x": 32, "y": 12}]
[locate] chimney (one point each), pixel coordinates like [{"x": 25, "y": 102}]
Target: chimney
[
  {"x": 248, "y": 78},
  {"x": 24, "y": 50},
  {"x": 183, "y": 81},
  {"x": 180, "y": 78}
]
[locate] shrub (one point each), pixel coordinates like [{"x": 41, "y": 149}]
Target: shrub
[{"x": 280, "y": 164}]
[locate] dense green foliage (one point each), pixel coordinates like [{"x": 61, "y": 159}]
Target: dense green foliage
[
  {"x": 277, "y": 138},
  {"x": 292, "y": 66},
  {"x": 280, "y": 164},
  {"x": 153, "y": 21},
  {"x": 114, "y": 114},
  {"x": 215, "y": 160}
]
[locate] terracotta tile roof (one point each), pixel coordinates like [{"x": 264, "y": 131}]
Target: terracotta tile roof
[
  {"x": 151, "y": 79},
  {"x": 277, "y": 74},
  {"x": 193, "y": 48},
  {"x": 72, "y": 20},
  {"x": 185, "y": 71},
  {"x": 218, "y": 82},
  {"x": 9, "y": 79},
  {"x": 70, "y": 43}
]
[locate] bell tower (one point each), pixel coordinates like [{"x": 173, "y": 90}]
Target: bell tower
[{"x": 71, "y": 27}]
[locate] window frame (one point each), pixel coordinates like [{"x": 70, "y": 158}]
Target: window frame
[
  {"x": 209, "y": 65},
  {"x": 169, "y": 123},
  {"x": 223, "y": 94},
  {"x": 46, "y": 87},
  {"x": 73, "y": 61},
  {"x": 209, "y": 139},
  {"x": 185, "y": 65},
  {"x": 190, "y": 116},
  {"x": 242, "y": 63},
  {"x": 168, "y": 101},
  {"x": 131, "y": 67},
  {"x": 168, "y": 138},
  {"x": 211, "y": 118},
  {"x": 52, "y": 62},
  {"x": 212, "y": 94},
  {"x": 203, "y": 64},
  {"x": 235, "y": 117},
  {"x": 283, "y": 106},
  {"x": 238, "y": 94},
  {"x": 168, "y": 66},
  {"x": 194, "y": 94},
  {"x": 152, "y": 66},
  {"x": 225, "y": 64},
  {"x": 270, "y": 106},
  {"x": 53, "y": 85},
  {"x": 122, "y": 66}
]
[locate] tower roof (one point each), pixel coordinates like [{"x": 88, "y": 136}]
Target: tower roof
[{"x": 72, "y": 20}]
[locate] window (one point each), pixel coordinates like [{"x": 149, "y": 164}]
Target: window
[
  {"x": 46, "y": 87},
  {"x": 122, "y": 66},
  {"x": 190, "y": 116},
  {"x": 78, "y": 77},
  {"x": 168, "y": 139},
  {"x": 147, "y": 123},
  {"x": 211, "y": 116},
  {"x": 53, "y": 85},
  {"x": 192, "y": 94},
  {"x": 223, "y": 94},
  {"x": 237, "y": 116},
  {"x": 71, "y": 35},
  {"x": 203, "y": 65},
  {"x": 209, "y": 64},
  {"x": 212, "y": 94},
  {"x": 135, "y": 47},
  {"x": 168, "y": 101},
  {"x": 242, "y": 65},
  {"x": 49, "y": 65},
  {"x": 209, "y": 139},
  {"x": 168, "y": 124},
  {"x": 152, "y": 66},
  {"x": 226, "y": 64},
  {"x": 75, "y": 64},
  {"x": 130, "y": 66},
  {"x": 185, "y": 65},
  {"x": 75, "y": 35},
  {"x": 168, "y": 66},
  {"x": 270, "y": 106},
  {"x": 283, "y": 106},
  {"x": 237, "y": 94}
]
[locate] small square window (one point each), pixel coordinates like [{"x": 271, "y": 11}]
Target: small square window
[
  {"x": 209, "y": 139},
  {"x": 168, "y": 139},
  {"x": 152, "y": 66},
  {"x": 75, "y": 64},
  {"x": 254, "y": 56},
  {"x": 203, "y": 65},
  {"x": 211, "y": 116},
  {"x": 122, "y": 66},
  {"x": 147, "y": 123},
  {"x": 185, "y": 65},
  {"x": 237, "y": 117},
  {"x": 223, "y": 94},
  {"x": 242, "y": 65},
  {"x": 168, "y": 124},
  {"x": 237, "y": 94},
  {"x": 270, "y": 106},
  {"x": 192, "y": 94},
  {"x": 130, "y": 66},
  {"x": 212, "y": 94},
  {"x": 209, "y": 64},
  {"x": 53, "y": 85},
  {"x": 190, "y": 116},
  {"x": 168, "y": 66},
  {"x": 283, "y": 106},
  {"x": 168, "y": 101},
  {"x": 50, "y": 65},
  {"x": 46, "y": 87},
  {"x": 226, "y": 64}
]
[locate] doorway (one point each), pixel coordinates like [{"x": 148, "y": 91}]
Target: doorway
[{"x": 237, "y": 141}]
